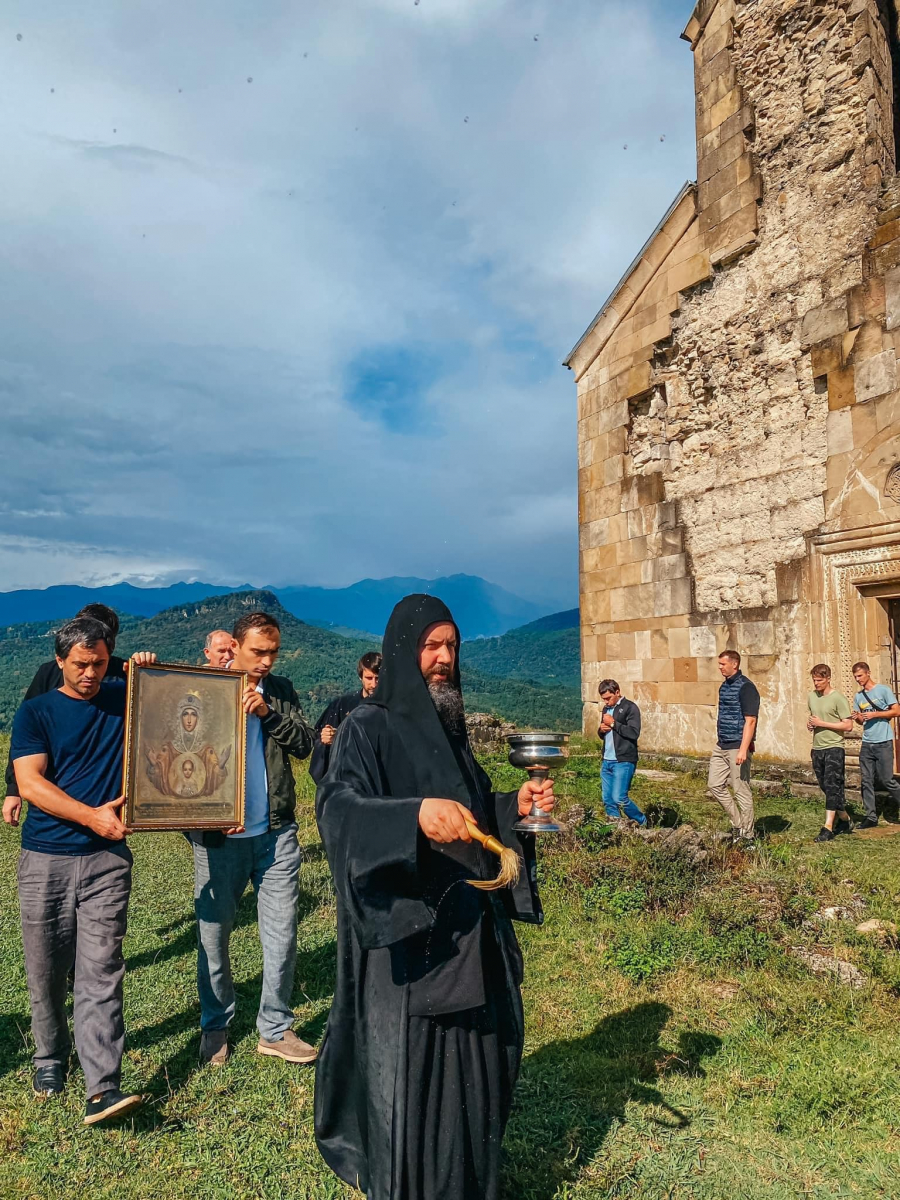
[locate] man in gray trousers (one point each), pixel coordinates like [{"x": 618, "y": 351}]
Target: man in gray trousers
[
  {"x": 263, "y": 851},
  {"x": 75, "y": 868}
]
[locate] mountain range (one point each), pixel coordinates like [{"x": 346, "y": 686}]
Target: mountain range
[
  {"x": 481, "y": 609},
  {"x": 322, "y": 663}
]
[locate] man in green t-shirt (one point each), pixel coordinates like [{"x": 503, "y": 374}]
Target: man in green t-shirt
[{"x": 829, "y": 720}]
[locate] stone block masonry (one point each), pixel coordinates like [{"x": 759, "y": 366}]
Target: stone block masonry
[{"x": 738, "y": 395}]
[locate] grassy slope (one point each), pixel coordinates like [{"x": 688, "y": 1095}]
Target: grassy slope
[{"x": 674, "y": 1047}]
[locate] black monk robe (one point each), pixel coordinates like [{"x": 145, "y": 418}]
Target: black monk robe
[
  {"x": 333, "y": 715},
  {"x": 417, "y": 1067}
]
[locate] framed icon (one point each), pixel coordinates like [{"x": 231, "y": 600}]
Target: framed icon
[{"x": 185, "y": 738}]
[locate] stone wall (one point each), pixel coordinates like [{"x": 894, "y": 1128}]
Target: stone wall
[{"x": 742, "y": 373}]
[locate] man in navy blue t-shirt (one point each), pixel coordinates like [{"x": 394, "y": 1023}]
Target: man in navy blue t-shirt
[{"x": 75, "y": 868}]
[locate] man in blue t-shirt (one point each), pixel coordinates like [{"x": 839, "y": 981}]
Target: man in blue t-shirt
[
  {"x": 75, "y": 868},
  {"x": 874, "y": 708}
]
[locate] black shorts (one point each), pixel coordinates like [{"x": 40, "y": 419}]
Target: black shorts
[{"x": 828, "y": 765}]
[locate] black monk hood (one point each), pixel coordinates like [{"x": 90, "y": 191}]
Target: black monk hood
[{"x": 438, "y": 759}]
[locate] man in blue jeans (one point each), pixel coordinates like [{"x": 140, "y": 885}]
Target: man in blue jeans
[
  {"x": 263, "y": 851},
  {"x": 620, "y": 728}
]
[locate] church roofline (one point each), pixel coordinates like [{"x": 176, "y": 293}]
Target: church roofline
[
  {"x": 686, "y": 188},
  {"x": 703, "y": 10}
]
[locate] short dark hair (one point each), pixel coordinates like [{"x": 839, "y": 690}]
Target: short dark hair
[
  {"x": 607, "y": 685},
  {"x": 369, "y": 662},
  {"x": 101, "y": 612},
  {"x": 254, "y": 620},
  {"x": 82, "y": 631},
  {"x": 732, "y": 656},
  {"x": 821, "y": 671},
  {"x": 860, "y": 666}
]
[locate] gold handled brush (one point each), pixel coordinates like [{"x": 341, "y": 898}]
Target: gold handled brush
[{"x": 509, "y": 861}]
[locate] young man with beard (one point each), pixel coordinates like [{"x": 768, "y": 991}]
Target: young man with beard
[
  {"x": 424, "y": 1039},
  {"x": 74, "y": 871},
  {"x": 264, "y": 851},
  {"x": 327, "y": 725}
]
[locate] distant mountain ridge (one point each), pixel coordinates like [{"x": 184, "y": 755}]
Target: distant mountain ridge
[
  {"x": 481, "y": 609},
  {"x": 320, "y": 663}
]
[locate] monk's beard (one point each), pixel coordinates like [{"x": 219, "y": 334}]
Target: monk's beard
[{"x": 448, "y": 701}]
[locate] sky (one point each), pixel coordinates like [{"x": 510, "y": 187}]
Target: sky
[{"x": 285, "y": 288}]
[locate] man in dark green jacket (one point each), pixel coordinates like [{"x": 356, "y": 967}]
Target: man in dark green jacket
[{"x": 263, "y": 851}]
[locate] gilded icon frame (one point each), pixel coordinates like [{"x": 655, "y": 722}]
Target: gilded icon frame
[{"x": 178, "y": 717}]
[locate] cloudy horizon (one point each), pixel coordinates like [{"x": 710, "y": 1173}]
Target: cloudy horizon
[{"x": 287, "y": 288}]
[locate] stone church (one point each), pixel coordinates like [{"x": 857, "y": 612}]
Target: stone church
[{"x": 739, "y": 392}]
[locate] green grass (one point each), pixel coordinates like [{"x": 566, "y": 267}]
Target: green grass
[{"x": 675, "y": 1046}]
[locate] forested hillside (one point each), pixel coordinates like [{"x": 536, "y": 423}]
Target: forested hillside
[
  {"x": 320, "y": 663},
  {"x": 547, "y": 651}
]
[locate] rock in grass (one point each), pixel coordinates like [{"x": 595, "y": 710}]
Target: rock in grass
[
  {"x": 877, "y": 928},
  {"x": 820, "y": 964}
]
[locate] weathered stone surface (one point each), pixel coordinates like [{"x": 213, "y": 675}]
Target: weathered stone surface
[
  {"x": 819, "y": 324},
  {"x": 892, "y": 298},
  {"x": 875, "y": 376}
]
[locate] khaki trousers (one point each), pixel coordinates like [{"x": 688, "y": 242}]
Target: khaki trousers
[{"x": 724, "y": 773}]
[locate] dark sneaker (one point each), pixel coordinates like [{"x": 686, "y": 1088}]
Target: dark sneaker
[
  {"x": 49, "y": 1081},
  {"x": 290, "y": 1048},
  {"x": 214, "y": 1048},
  {"x": 109, "y": 1105},
  {"x": 843, "y": 827},
  {"x": 825, "y": 835},
  {"x": 868, "y": 823}
]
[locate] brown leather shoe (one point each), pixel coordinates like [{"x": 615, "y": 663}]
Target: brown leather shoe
[
  {"x": 214, "y": 1048},
  {"x": 290, "y": 1048}
]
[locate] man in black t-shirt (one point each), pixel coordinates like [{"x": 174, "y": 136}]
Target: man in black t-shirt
[
  {"x": 75, "y": 869},
  {"x": 47, "y": 678}
]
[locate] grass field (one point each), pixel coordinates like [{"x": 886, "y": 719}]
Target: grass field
[{"x": 676, "y": 1044}]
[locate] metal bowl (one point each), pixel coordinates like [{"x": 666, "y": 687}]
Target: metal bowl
[{"x": 537, "y": 749}]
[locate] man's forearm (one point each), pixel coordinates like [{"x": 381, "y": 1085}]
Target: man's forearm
[
  {"x": 749, "y": 731},
  {"x": 47, "y": 796},
  {"x": 290, "y": 731}
]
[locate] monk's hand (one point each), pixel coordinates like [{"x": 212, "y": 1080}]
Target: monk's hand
[
  {"x": 327, "y": 735},
  {"x": 444, "y": 820},
  {"x": 536, "y": 791}
]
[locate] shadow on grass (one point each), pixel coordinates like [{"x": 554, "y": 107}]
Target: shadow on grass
[
  {"x": 313, "y": 982},
  {"x": 766, "y": 826},
  {"x": 186, "y": 941},
  {"x": 14, "y": 1041},
  {"x": 572, "y": 1093}
]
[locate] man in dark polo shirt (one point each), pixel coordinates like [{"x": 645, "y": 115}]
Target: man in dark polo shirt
[
  {"x": 75, "y": 868},
  {"x": 729, "y": 763}
]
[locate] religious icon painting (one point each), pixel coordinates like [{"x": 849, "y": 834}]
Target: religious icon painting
[{"x": 184, "y": 748}]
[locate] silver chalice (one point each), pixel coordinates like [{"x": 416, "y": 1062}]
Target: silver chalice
[{"x": 538, "y": 754}]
